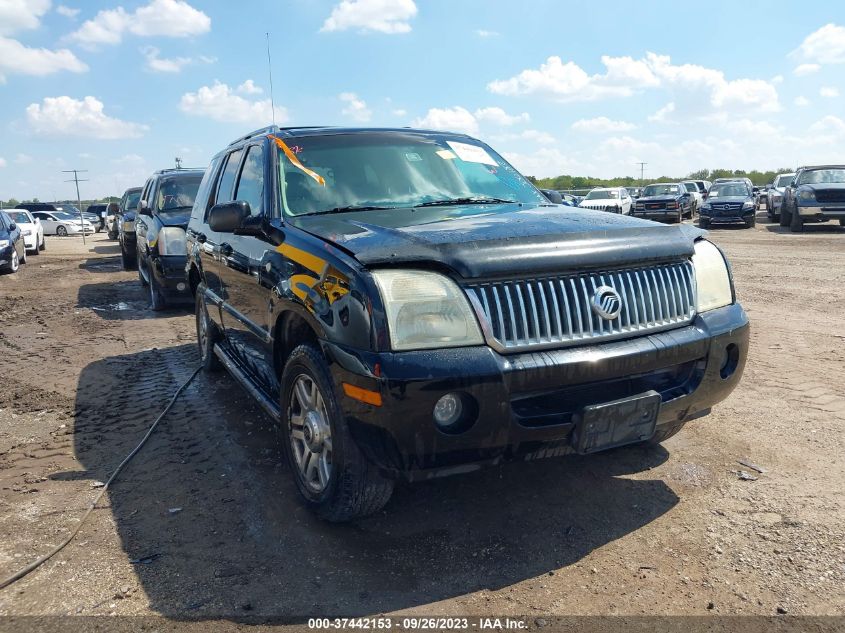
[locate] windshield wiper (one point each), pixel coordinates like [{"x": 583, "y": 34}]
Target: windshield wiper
[
  {"x": 456, "y": 201},
  {"x": 349, "y": 209}
]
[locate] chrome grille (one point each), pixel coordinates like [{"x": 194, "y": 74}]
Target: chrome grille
[
  {"x": 727, "y": 206},
  {"x": 556, "y": 311},
  {"x": 599, "y": 207},
  {"x": 830, "y": 195}
]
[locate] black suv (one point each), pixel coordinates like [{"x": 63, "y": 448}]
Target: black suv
[
  {"x": 664, "y": 201},
  {"x": 124, "y": 226},
  {"x": 406, "y": 304},
  {"x": 729, "y": 202},
  {"x": 160, "y": 222}
]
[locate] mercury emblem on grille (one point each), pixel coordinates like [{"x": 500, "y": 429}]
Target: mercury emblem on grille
[{"x": 607, "y": 303}]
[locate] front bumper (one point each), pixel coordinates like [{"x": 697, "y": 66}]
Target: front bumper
[
  {"x": 655, "y": 214},
  {"x": 743, "y": 216},
  {"x": 169, "y": 274},
  {"x": 821, "y": 212},
  {"x": 527, "y": 404}
]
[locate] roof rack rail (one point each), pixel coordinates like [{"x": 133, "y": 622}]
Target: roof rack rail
[{"x": 275, "y": 129}]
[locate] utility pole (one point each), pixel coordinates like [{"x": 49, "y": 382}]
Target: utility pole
[
  {"x": 178, "y": 162},
  {"x": 642, "y": 171},
  {"x": 76, "y": 180}
]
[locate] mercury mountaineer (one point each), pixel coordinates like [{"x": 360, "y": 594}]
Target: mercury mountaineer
[{"x": 405, "y": 304}]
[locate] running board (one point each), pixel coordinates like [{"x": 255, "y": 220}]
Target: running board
[{"x": 232, "y": 366}]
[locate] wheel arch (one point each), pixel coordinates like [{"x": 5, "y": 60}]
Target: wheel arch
[{"x": 290, "y": 330}]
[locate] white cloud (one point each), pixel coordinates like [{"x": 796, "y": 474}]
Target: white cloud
[
  {"x": 249, "y": 88},
  {"x": 806, "y": 69},
  {"x": 824, "y": 46},
  {"x": 19, "y": 15},
  {"x": 545, "y": 162},
  {"x": 2, "y": 162},
  {"x": 162, "y": 65},
  {"x": 663, "y": 114},
  {"x": 536, "y": 136},
  {"x": 457, "y": 119},
  {"x": 355, "y": 108},
  {"x": 382, "y": 16},
  {"x": 220, "y": 103},
  {"x": 829, "y": 125},
  {"x": 801, "y": 101},
  {"x": 485, "y": 33},
  {"x": 68, "y": 12},
  {"x": 23, "y": 159},
  {"x": 65, "y": 116},
  {"x": 399, "y": 112},
  {"x": 498, "y": 116},
  {"x": 15, "y": 58},
  {"x": 602, "y": 125},
  {"x": 625, "y": 76},
  {"x": 829, "y": 91},
  {"x": 777, "y": 79},
  {"x": 167, "y": 18}
]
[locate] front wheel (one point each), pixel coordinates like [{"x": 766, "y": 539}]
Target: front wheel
[
  {"x": 796, "y": 224},
  {"x": 785, "y": 217},
  {"x": 126, "y": 259},
  {"x": 43, "y": 243},
  {"x": 702, "y": 223},
  {"x": 61, "y": 231},
  {"x": 14, "y": 263},
  {"x": 157, "y": 303},
  {"x": 333, "y": 477},
  {"x": 207, "y": 333}
]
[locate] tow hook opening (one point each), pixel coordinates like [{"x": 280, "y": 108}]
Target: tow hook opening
[{"x": 730, "y": 361}]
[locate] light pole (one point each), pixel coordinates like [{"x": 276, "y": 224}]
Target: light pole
[{"x": 76, "y": 180}]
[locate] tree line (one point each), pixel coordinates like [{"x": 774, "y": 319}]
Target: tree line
[
  {"x": 11, "y": 203},
  {"x": 566, "y": 182}
]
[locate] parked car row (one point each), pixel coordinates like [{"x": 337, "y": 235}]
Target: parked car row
[
  {"x": 811, "y": 195},
  {"x": 61, "y": 219},
  {"x": 12, "y": 244}
]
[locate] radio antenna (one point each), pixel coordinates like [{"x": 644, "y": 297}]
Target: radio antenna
[{"x": 270, "y": 72}]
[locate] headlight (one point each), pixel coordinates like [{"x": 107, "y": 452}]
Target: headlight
[
  {"x": 806, "y": 194},
  {"x": 639, "y": 205},
  {"x": 171, "y": 241},
  {"x": 4, "y": 243},
  {"x": 128, "y": 226},
  {"x": 747, "y": 206},
  {"x": 426, "y": 310},
  {"x": 712, "y": 278},
  {"x": 27, "y": 232}
]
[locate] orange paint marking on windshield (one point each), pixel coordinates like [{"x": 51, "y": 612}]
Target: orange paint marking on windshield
[{"x": 295, "y": 161}]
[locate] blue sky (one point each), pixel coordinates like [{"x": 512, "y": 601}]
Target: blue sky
[{"x": 121, "y": 88}]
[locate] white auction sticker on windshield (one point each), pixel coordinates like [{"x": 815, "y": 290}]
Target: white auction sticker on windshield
[{"x": 472, "y": 153}]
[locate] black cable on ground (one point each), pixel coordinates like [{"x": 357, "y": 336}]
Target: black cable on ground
[{"x": 37, "y": 563}]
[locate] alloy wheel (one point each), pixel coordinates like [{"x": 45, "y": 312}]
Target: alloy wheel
[{"x": 310, "y": 434}]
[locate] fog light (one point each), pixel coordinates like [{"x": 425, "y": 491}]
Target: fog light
[
  {"x": 730, "y": 361},
  {"x": 448, "y": 410},
  {"x": 181, "y": 286}
]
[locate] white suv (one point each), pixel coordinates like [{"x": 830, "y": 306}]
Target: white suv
[
  {"x": 775, "y": 197},
  {"x": 612, "y": 199}
]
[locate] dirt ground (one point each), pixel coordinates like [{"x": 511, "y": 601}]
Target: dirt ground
[{"x": 205, "y": 523}]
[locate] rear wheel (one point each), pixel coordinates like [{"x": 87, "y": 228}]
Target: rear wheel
[
  {"x": 126, "y": 259},
  {"x": 333, "y": 477},
  {"x": 61, "y": 231}
]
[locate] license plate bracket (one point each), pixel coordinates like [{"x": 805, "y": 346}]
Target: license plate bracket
[{"x": 599, "y": 427}]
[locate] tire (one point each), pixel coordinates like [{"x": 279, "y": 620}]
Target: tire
[
  {"x": 43, "y": 243},
  {"x": 125, "y": 259},
  {"x": 207, "y": 333},
  {"x": 61, "y": 231},
  {"x": 665, "y": 433},
  {"x": 347, "y": 485},
  {"x": 23, "y": 257},
  {"x": 35, "y": 251},
  {"x": 15, "y": 263},
  {"x": 752, "y": 223},
  {"x": 702, "y": 223},
  {"x": 841, "y": 221},
  {"x": 157, "y": 302},
  {"x": 143, "y": 281},
  {"x": 785, "y": 218},
  {"x": 796, "y": 224}
]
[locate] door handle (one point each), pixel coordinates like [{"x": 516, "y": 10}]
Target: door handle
[{"x": 226, "y": 249}]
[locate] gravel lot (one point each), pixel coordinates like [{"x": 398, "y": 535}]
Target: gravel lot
[{"x": 205, "y": 523}]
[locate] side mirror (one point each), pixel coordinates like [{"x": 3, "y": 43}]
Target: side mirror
[
  {"x": 143, "y": 209},
  {"x": 228, "y": 216},
  {"x": 12, "y": 226}
]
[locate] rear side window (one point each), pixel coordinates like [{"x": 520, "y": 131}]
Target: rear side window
[
  {"x": 203, "y": 202},
  {"x": 227, "y": 179},
  {"x": 251, "y": 183},
  {"x": 3, "y": 225}
]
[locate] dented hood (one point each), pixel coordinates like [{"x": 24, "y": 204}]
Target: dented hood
[{"x": 495, "y": 240}]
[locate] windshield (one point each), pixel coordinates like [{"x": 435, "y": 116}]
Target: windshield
[
  {"x": 783, "y": 181},
  {"x": 660, "y": 190},
  {"x": 691, "y": 187},
  {"x": 820, "y": 176},
  {"x": 177, "y": 194},
  {"x": 395, "y": 169},
  {"x": 728, "y": 189},
  {"x": 19, "y": 217},
  {"x": 132, "y": 201},
  {"x": 64, "y": 215},
  {"x": 603, "y": 194}
]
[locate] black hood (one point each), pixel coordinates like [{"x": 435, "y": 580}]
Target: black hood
[
  {"x": 172, "y": 219},
  {"x": 666, "y": 197},
  {"x": 501, "y": 240}
]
